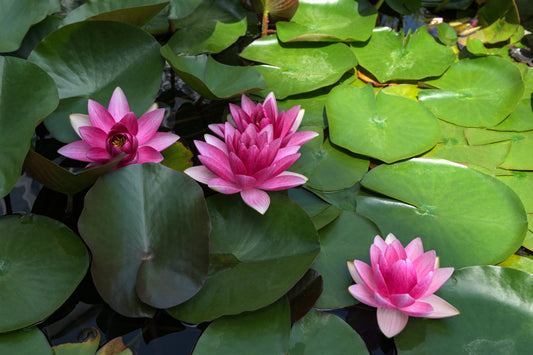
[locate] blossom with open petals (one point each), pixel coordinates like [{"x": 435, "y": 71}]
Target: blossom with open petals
[
  {"x": 400, "y": 282},
  {"x": 108, "y": 132},
  {"x": 251, "y": 157}
]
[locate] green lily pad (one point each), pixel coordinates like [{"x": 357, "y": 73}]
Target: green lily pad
[
  {"x": 27, "y": 341},
  {"x": 147, "y": 227},
  {"x": 408, "y": 91},
  {"x": 292, "y": 69},
  {"x": 265, "y": 331},
  {"x": 37, "y": 252},
  {"x": 279, "y": 245},
  {"x": 343, "y": 199},
  {"x": 321, "y": 212},
  {"x": 404, "y": 7},
  {"x": 484, "y": 325},
  {"x": 391, "y": 56},
  {"x": 88, "y": 60},
  {"x": 181, "y": 8},
  {"x": 212, "y": 79},
  {"x": 36, "y": 34},
  {"x": 447, "y": 34},
  {"x": 86, "y": 347},
  {"x": 478, "y": 92},
  {"x": 303, "y": 295},
  {"x": 16, "y": 17},
  {"x": 347, "y": 238},
  {"x": 313, "y": 105},
  {"x": 20, "y": 111},
  {"x": 499, "y": 20},
  {"x": 339, "y": 20},
  {"x": 468, "y": 217},
  {"x": 522, "y": 183},
  {"x": 386, "y": 127},
  {"x": 518, "y": 262},
  {"x": 136, "y": 12},
  {"x": 177, "y": 157},
  {"x": 114, "y": 347},
  {"x": 323, "y": 333}
]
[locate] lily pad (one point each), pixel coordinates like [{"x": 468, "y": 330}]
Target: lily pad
[
  {"x": 314, "y": 106},
  {"x": 212, "y": 79},
  {"x": 468, "y": 217},
  {"x": 518, "y": 262},
  {"x": 177, "y": 157},
  {"x": 35, "y": 253},
  {"x": 338, "y": 20},
  {"x": 27, "y": 341},
  {"x": 181, "y": 8},
  {"x": 478, "y": 92},
  {"x": 16, "y": 17},
  {"x": 483, "y": 327},
  {"x": 86, "y": 347},
  {"x": 20, "y": 111},
  {"x": 279, "y": 245},
  {"x": 522, "y": 183},
  {"x": 147, "y": 227},
  {"x": 392, "y": 56},
  {"x": 321, "y": 212},
  {"x": 386, "y": 127},
  {"x": 88, "y": 60},
  {"x": 292, "y": 69},
  {"x": 265, "y": 331},
  {"x": 323, "y": 333}
]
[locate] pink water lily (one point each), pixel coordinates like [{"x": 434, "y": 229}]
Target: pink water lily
[
  {"x": 253, "y": 155},
  {"x": 108, "y": 132},
  {"x": 400, "y": 282}
]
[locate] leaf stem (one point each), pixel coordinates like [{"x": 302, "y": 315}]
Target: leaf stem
[{"x": 264, "y": 24}]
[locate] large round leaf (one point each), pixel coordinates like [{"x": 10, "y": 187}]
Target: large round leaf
[
  {"x": 16, "y": 17},
  {"x": 27, "y": 95},
  {"x": 338, "y": 20},
  {"x": 147, "y": 227},
  {"x": 321, "y": 333},
  {"x": 389, "y": 55},
  {"x": 265, "y": 331},
  {"x": 28, "y": 341},
  {"x": 345, "y": 239},
  {"x": 521, "y": 119},
  {"x": 255, "y": 259},
  {"x": 41, "y": 263},
  {"x": 386, "y": 127},
  {"x": 478, "y": 92},
  {"x": 468, "y": 217},
  {"x": 496, "y": 317},
  {"x": 88, "y": 60},
  {"x": 292, "y": 69}
]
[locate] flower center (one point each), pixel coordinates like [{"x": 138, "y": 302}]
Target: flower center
[{"x": 119, "y": 140}]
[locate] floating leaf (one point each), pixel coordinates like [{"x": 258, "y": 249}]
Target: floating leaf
[
  {"x": 182, "y": 8},
  {"x": 16, "y": 18},
  {"x": 313, "y": 105},
  {"x": 20, "y": 111},
  {"x": 390, "y": 56},
  {"x": 478, "y": 92},
  {"x": 522, "y": 183},
  {"x": 86, "y": 347},
  {"x": 304, "y": 294},
  {"x": 321, "y": 212},
  {"x": 518, "y": 262},
  {"x": 265, "y": 331},
  {"x": 147, "y": 227},
  {"x": 27, "y": 341},
  {"x": 338, "y": 20},
  {"x": 468, "y": 217},
  {"x": 447, "y": 34},
  {"x": 177, "y": 157},
  {"x": 385, "y": 127},
  {"x": 292, "y": 69},
  {"x": 38, "y": 256},
  {"x": 279, "y": 246},
  {"x": 500, "y": 21},
  {"x": 88, "y": 60},
  {"x": 483, "y": 327}
]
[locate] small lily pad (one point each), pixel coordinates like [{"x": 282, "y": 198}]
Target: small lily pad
[{"x": 27, "y": 341}]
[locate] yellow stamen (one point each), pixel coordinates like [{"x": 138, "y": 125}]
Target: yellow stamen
[{"x": 119, "y": 141}]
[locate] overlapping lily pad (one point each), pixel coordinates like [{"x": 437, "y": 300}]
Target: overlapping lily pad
[
  {"x": 338, "y": 20},
  {"x": 27, "y": 341},
  {"x": 478, "y": 92},
  {"x": 147, "y": 227},
  {"x": 255, "y": 259},
  {"x": 20, "y": 111},
  {"x": 385, "y": 127},
  {"x": 468, "y": 217},
  {"x": 88, "y": 60},
  {"x": 16, "y": 17},
  {"x": 484, "y": 324},
  {"x": 265, "y": 331},
  {"x": 524, "y": 263},
  {"x": 38, "y": 256},
  {"x": 391, "y": 56},
  {"x": 521, "y": 119},
  {"x": 291, "y": 69}
]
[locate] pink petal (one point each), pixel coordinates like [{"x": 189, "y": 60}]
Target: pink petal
[
  {"x": 217, "y": 128},
  {"x": 402, "y": 300},
  {"x": 398, "y": 247},
  {"x": 366, "y": 274},
  {"x": 223, "y": 186},
  {"x": 375, "y": 253},
  {"x": 99, "y": 155},
  {"x": 148, "y": 155},
  {"x": 162, "y": 140},
  {"x": 78, "y": 120},
  {"x": 402, "y": 277},
  {"x": 75, "y": 150},
  {"x": 237, "y": 166},
  {"x": 130, "y": 122},
  {"x": 380, "y": 243},
  {"x": 298, "y": 120},
  {"x": 391, "y": 321},
  {"x": 270, "y": 106},
  {"x": 383, "y": 302},
  {"x": 381, "y": 285},
  {"x": 214, "y": 141},
  {"x": 286, "y": 121},
  {"x": 237, "y": 115},
  {"x": 300, "y": 138},
  {"x": 440, "y": 276},
  {"x": 285, "y": 163},
  {"x": 441, "y": 308},
  {"x": 414, "y": 249},
  {"x": 424, "y": 264},
  {"x": 283, "y": 181},
  {"x": 221, "y": 168},
  {"x": 390, "y": 238},
  {"x": 363, "y": 294},
  {"x": 353, "y": 272},
  {"x": 245, "y": 182},
  {"x": 248, "y": 105},
  {"x": 418, "y": 309},
  {"x": 99, "y": 116},
  {"x": 94, "y": 136},
  {"x": 118, "y": 105},
  {"x": 421, "y": 287},
  {"x": 201, "y": 174},
  {"x": 256, "y": 199},
  {"x": 148, "y": 124}
]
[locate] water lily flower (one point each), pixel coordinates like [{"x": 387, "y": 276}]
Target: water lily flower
[
  {"x": 400, "y": 282},
  {"x": 108, "y": 132},
  {"x": 253, "y": 155}
]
